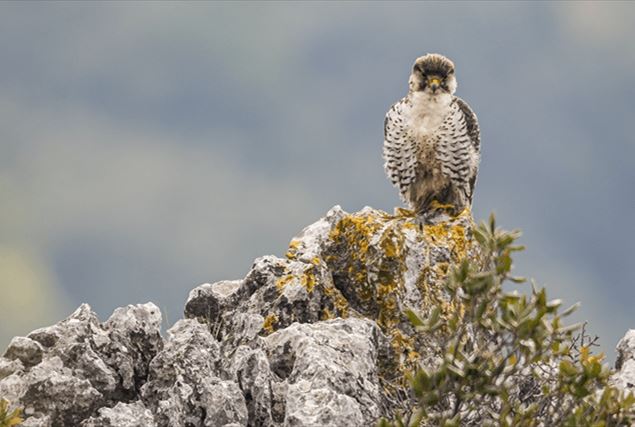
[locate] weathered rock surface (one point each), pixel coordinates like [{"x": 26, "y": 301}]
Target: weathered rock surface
[
  {"x": 316, "y": 338},
  {"x": 62, "y": 374},
  {"x": 122, "y": 415},
  {"x": 624, "y": 376},
  {"x": 183, "y": 387}
]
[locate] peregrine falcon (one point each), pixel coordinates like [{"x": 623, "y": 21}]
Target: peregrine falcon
[{"x": 432, "y": 142}]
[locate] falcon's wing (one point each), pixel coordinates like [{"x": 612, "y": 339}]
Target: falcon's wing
[
  {"x": 400, "y": 150},
  {"x": 474, "y": 133},
  {"x": 472, "y": 123}
]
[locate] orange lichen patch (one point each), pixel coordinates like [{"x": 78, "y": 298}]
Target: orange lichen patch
[
  {"x": 392, "y": 243},
  {"x": 370, "y": 255},
  {"x": 315, "y": 261},
  {"x": 308, "y": 279},
  {"x": 404, "y": 213},
  {"x": 431, "y": 289},
  {"x": 404, "y": 348},
  {"x": 292, "y": 252},
  {"x": 410, "y": 226},
  {"x": 270, "y": 323},
  {"x": 441, "y": 269},
  {"x": 284, "y": 281},
  {"x": 460, "y": 242},
  {"x": 388, "y": 315},
  {"x": 436, "y": 233},
  {"x": 326, "y": 314},
  {"x": 367, "y": 255},
  {"x": 450, "y": 235},
  {"x": 339, "y": 302},
  {"x": 457, "y": 240}
]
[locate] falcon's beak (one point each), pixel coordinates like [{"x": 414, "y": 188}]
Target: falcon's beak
[{"x": 434, "y": 83}]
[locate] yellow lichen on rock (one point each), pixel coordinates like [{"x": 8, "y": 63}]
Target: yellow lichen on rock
[
  {"x": 460, "y": 242},
  {"x": 339, "y": 301},
  {"x": 451, "y": 234},
  {"x": 432, "y": 293},
  {"x": 270, "y": 323},
  {"x": 404, "y": 349},
  {"x": 375, "y": 265},
  {"x": 384, "y": 264},
  {"x": 368, "y": 250},
  {"x": 284, "y": 281},
  {"x": 308, "y": 279},
  {"x": 294, "y": 245},
  {"x": 326, "y": 314}
]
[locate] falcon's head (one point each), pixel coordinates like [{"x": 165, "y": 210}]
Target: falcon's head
[{"x": 433, "y": 74}]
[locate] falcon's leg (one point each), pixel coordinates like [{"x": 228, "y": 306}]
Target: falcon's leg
[
  {"x": 431, "y": 217},
  {"x": 438, "y": 207}
]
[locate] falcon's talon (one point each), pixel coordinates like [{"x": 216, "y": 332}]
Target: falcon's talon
[
  {"x": 404, "y": 213},
  {"x": 437, "y": 205}
]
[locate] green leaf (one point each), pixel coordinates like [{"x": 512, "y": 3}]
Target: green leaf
[
  {"x": 571, "y": 309},
  {"x": 492, "y": 223},
  {"x": 567, "y": 368},
  {"x": 504, "y": 264},
  {"x": 570, "y": 328},
  {"x": 414, "y": 318},
  {"x": 434, "y": 316},
  {"x": 418, "y": 418},
  {"x": 480, "y": 236}
]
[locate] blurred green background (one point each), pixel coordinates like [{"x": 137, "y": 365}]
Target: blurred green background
[{"x": 149, "y": 147}]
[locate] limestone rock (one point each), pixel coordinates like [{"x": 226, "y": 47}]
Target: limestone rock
[
  {"x": 314, "y": 338},
  {"x": 331, "y": 372},
  {"x": 209, "y": 301},
  {"x": 60, "y": 375},
  {"x": 122, "y": 415},
  {"x": 624, "y": 376},
  {"x": 25, "y": 350},
  {"x": 302, "y": 340},
  {"x": 183, "y": 388}
]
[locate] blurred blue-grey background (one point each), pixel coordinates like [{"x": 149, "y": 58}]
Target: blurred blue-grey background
[{"x": 146, "y": 148}]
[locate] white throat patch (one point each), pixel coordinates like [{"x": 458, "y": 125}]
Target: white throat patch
[{"x": 428, "y": 112}]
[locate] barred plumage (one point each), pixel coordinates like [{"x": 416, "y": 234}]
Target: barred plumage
[{"x": 432, "y": 141}]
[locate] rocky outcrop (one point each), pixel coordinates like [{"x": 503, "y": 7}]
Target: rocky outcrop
[
  {"x": 63, "y": 374},
  {"x": 317, "y": 338},
  {"x": 624, "y": 376}
]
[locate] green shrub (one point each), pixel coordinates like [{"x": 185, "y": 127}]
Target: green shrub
[
  {"x": 506, "y": 359},
  {"x": 9, "y": 419}
]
